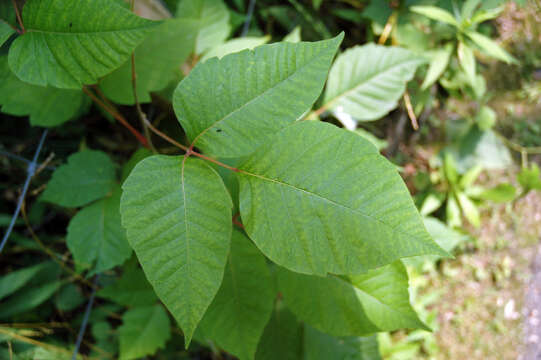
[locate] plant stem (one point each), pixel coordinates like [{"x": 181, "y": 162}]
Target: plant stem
[
  {"x": 18, "y": 15},
  {"x": 387, "y": 29},
  {"x": 411, "y": 113},
  {"x": 117, "y": 116}
]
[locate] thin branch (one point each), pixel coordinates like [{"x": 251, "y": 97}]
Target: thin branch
[
  {"x": 248, "y": 20},
  {"x": 34, "y": 342},
  {"x": 88, "y": 309},
  {"x": 519, "y": 148},
  {"x": 29, "y": 174},
  {"x": 114, "y": 113},
  {"x": 411, "y": 113},
  {"x": 18, "y": 15},
  {"x": 165, "y": 137},
  {"x": 387, "y": 29}
]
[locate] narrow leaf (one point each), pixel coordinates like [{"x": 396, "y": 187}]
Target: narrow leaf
[
  {"x": 467, "y": 61},
  {"x": 435, "y": 13},
  {"x": 242, "y": 307},
  {"x": 317, "y": 199},
  {"x": 15, "y": 280},
  {"x": 438, "y": 64},
  {"x": 89, "y": 175},
  {"x": 229, "y": 106},
  {"x": 491, "y": 48},
  {"x": 367, "y": 81},
  {"x": 96, "y": 237},
  {"x": 28, "y": 298},
  {"x": 144, "y": 330},
  {"x": 177, "y": 213},
  {"x": 356, "y": 305},
  {"x": 69, "y": 44}
]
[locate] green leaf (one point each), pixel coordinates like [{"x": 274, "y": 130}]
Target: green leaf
[
  {"x": 367, "y": 81},
  {"x": 5, "y": 31},
  {"x": 320, "y": 346},
  {"x": 157, "y": 60},
  {"x": 96, "y": 237},
  {"x": 491, "y": 48},
  {"x": 486, "y": 14},
  {"x": 15, "y": 280},
  {"x": 235, "y": 45},
  {"x": 27, "y": 299},
  {"x": 229, "y": 106},
  {"x": 89, "y": 175},
  {"x": 144, "y": 330},
  {"x": 69, "y": 298},
  {"x": 211, "y": 18},
  {"x": 467, "y": 61},
  {"x": 317, "y": 199},
  {"x": 446, "y": 237},
  {"x": 435, "y": 13},
  {"x": 137, "y": 156},
  {"x": 294, "y": 36},
  {"x": 529, "y": 178},
  {"x": 469, "y": 209},
  {"x": 132, "y": 289},
  {"x": 486, "y": 118},
  {"x": 438, "y": 64},
  {"x": 356, "y": 305},
  {"x": 242, "y": 307},
  {"x": 177, "y": 213},
  {"x": 70, "y": 44},
  {"x": 282, "y": 338},
  {"x": 468, "y": 8},
  {"x": 500, "y": 193},
  {"x": 46, "y": 106}
]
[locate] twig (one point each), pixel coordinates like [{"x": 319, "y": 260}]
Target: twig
[
  {"x": 387, "y": 29},
  {"x": 18, "y": 15},
  {"x": 85, "y": 319},
  {"x": 411, "y": 113},
  {"x": 29, "y": 174},
  {"x": 33, "y": 342},
  {"x": 117, "y": 116},
  {"x": 20, "y": 158},
  {"x": 248, "y": 20}
]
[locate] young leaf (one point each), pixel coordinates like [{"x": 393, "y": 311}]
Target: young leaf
[
  {"x": 229, "y": 106},
  {"x": 132, "y": 289},
  {"x": 69, "y": 44},
  {"x": 317, "y": 199},
  {"x": 242, "y": 307},
  {"x": 211, "y": 18},
  {"x": 320, "y": 346},
  {"x": 13, "y": 281},
  {"x": 500, "y": 193},
  {"x": 367, "y": 81},
  {"x": 357, "y": 305},
  {"x": 529, "y": 178},
  {"x": 5, "y": 31},
  {"x": 177, "y": 213},
  {"x": 96, "y": 237},
  {"x": 491, "y": 48},
  {"x": 144, "y": 330},
  {"x": 156, "y": 60},
  {"x": 467, "y": 61},
  {"x": 282, "y": 338},
  {"x": 438, "y": 64},
  {"x": 435, "y": 13},
  {"x": 89, "y": 175},
  {"x": 469, "y": 209},
  {"x": 235, "y": 45},
  {"x": 45, "y": 106}
]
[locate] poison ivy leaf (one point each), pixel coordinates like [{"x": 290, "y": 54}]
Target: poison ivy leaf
[
  {"x": 302, "y": 208},
  {"x": 491, "y": 48},
  {"x": 355, "y": 305},
  {"x": 27, "y": 299},
  {"x": 177, "y": 214},
  {"x": 89, "y": 175},
  {"x": 367, "y": 81},
  {"x": 15, "y": 280},
  {"x": 435, "y": 13},
  {"x": 157, "y": 59},
  {"x": 229, "y": 106},
  {"x": 438, "y": 64},
  {"x": 211, "y": 18},
  {"x": 69, "y": 44},
  {"x": 46, "y": 106},
  {"x": 242, "y": 307},
  {"x": 137, "y": 156},
  {"x": 132, "y": 289},
  {"x": 235, "y": 45},
  {"x": 282, "y": 338},
  {"x": 96, "y": 237},
  {"x": 320, "y": 346},
  {"x": 144, "y": 330}
]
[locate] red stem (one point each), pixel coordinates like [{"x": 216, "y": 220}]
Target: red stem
[{"x": 18, "y": 15}]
